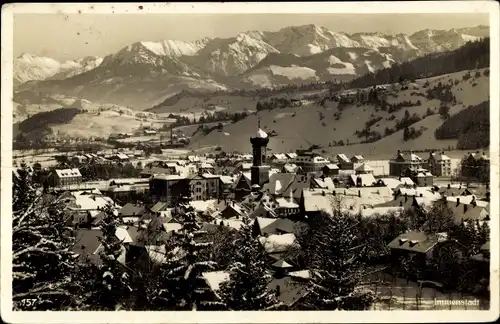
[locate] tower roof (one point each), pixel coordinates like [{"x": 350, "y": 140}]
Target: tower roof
[{"x": 261, "y": 134}]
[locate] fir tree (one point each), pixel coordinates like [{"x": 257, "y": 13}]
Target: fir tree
[
  {"x": 247, "y": 285},
  {"x": 112, "y": 290},
  {"x": 44, "y": 271},
  {"x": 334, "y": 249},
  {"x": 181, "y": 285}
]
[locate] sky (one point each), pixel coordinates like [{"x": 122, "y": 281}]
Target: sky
[{"x": 72, "y": 36}]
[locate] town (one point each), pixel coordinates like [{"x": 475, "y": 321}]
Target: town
[{"x": 410, "y": 233}]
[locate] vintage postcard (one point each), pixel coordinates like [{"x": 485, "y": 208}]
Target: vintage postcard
[{"x": 250, "y": 162}]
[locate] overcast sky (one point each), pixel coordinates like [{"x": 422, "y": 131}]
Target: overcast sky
[{"x": 77, "y": 35}]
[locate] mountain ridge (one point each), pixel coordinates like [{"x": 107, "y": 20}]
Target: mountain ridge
[{"x": 169, "y": 66}]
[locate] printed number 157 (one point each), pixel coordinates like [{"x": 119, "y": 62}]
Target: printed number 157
[{"x": 28, "y": 302}]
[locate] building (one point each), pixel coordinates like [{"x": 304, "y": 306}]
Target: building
[
  {"x": 205, "y": 186},
  {"x": 476, "y": 166},
  {"x": 330, "y": 170},
  {"x": 364, "y": 169},
  {"x": 168, "y": 188},
  {"x": 344, "y": 163},
  {"x": 259, "y": 170},
  {"x": 422, "y": 178},
  {"x": 439, "y": 164},
  {"x": 65, "y": 177},
  {"x": 404, "y": 161},
  {"x": 311, "y": 162}
]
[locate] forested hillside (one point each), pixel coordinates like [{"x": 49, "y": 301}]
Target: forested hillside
[
  {"x": 473, "y": 55},
  {"x": 470, "y": 126}
]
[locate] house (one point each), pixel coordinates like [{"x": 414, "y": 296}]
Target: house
[
  {"x": 475, "y": 166},
  {"x": 330, "y": 170},
  {"x": 168, "y": 188},
  {"x": 242, "y": 186},
  {"x": 243, "y": 167},
  {"x": 468, "y": 208},
  {"x": 87, "y": 244},
  {"x": 131, "y": 212},
  {"x": 404, "y": 161},
  {"x": 439, "y": 164},
  {"x": 344, "y": 162},
  {"x": 422, "y": 178},
  {"x": 232, "y": 210},
  {"x": 454, "y": 190},
  {"x": 406, "y": 182},
  {"x": 389, "y": 182},
  {"x": 205, "y": 186},
  {"x": 416, "y": 243},
  {"x": 286, "y": 184},
  {"x": 363, "y": 180},
  {"x": 278, "y": 159},
  {"x": 310, "y": 162},
  {"x": 291, "y": 168},
  {"x": 276, "y": 226},
  {"x": 65, "y": 177},
  {"x": 357, "y": 159},
  {"x": 206, "y": 168},
  {"x": 364, "y": 169}
]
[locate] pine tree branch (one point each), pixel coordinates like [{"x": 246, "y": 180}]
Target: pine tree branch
[{"x": 40, "y": 293}]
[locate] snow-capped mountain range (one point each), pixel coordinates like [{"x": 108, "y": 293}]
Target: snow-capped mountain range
[
  {"x": 29, "y": 67},
  {"x": 148, "y": 71}
]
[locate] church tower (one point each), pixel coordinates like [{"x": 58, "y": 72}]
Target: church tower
[{"x": 259, "y": 169}]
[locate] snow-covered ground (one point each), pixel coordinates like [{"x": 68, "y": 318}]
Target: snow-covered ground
[
  {"x": 398, "y": 294},
  {"x": 293, "y": 72}
]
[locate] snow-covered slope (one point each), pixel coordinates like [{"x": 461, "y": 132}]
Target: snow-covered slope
[{"x": 28, "y": 67}]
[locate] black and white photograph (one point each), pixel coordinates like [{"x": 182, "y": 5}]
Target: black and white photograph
[{"x": 204, "y": 159}]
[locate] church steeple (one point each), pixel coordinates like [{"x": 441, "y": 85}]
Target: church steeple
[{"x": 259, "y": 171}]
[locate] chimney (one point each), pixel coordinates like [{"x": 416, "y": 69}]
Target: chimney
[
  {"x": 421, "y": 195},
  {"x": 359, "y": 193},
  {"x": 458, "y": 201},
  {"x": 333, "y": 193},
  {"x": 449, "y": 186}
]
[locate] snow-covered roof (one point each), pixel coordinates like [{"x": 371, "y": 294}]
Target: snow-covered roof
[
  {"x": 304, "y": 274},
  {"x": 232, "y": 223},
  {"x": 171, "y": 227},
  {"x": 277, "y": 243},
  {"x": 286, "y": 203},
  {"x": 332, "y": 166},
  {"x": 123, "y": 235},
  {"x": 391, "y": 182},
  {"x": 202, "y": 206},
  {"x": 342, "y": 157},
  {"x": 364, "y": 168},
  {"x": 366, "y": 179},
  {"x": 406, "y": 181}
]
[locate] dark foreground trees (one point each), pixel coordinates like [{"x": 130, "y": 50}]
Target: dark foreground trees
[
  {"x": 335, "y": 249},
  {"x": 45, "y": 275},
  {"x": 247, "y": 285}
]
